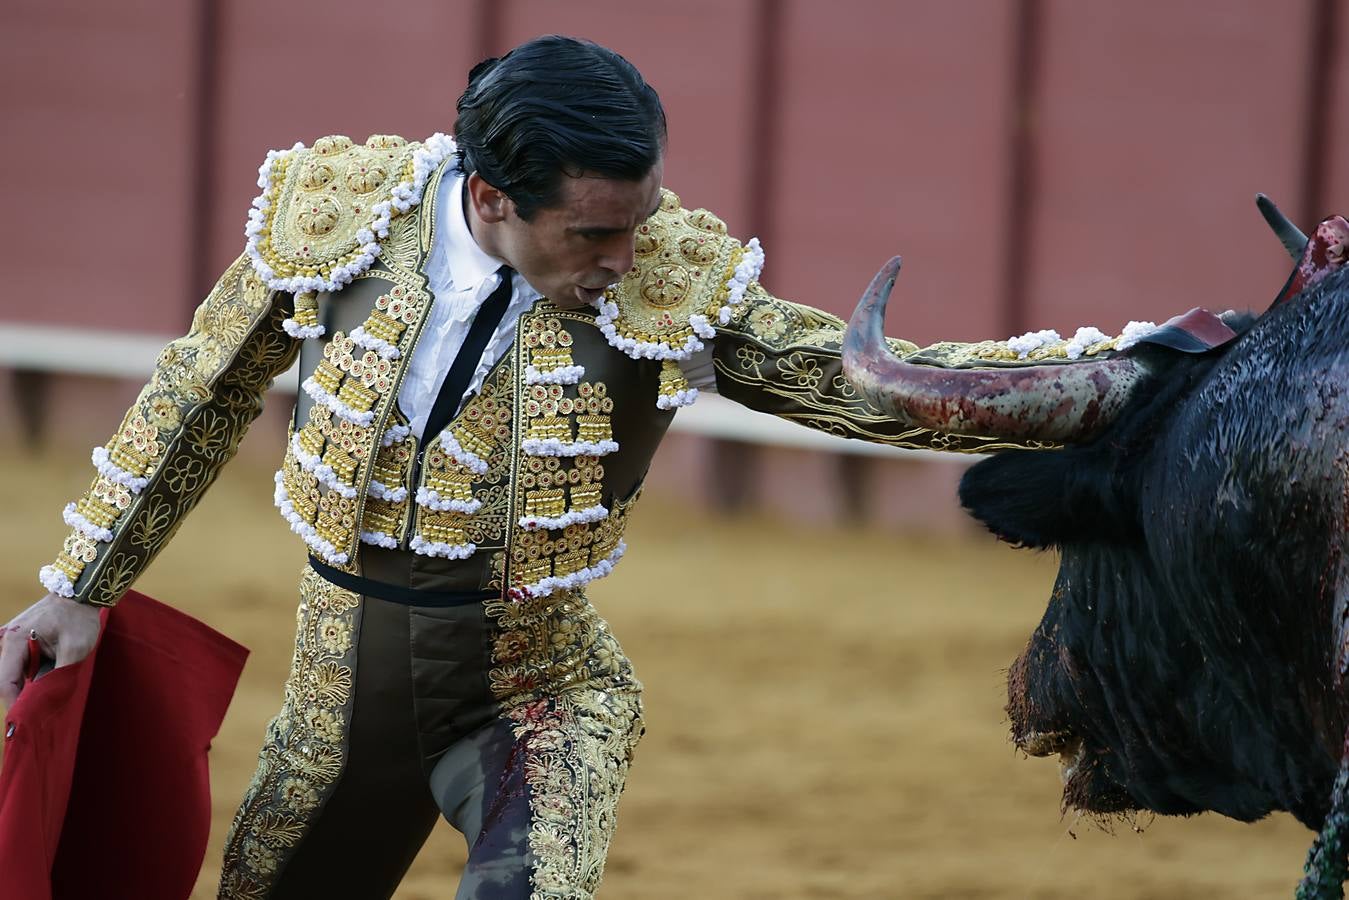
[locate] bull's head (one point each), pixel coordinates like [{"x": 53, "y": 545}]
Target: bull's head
[{"x": 1190, "y": 657}]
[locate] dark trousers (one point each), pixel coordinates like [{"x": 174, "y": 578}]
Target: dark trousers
[{"x": 396, "y": 714}]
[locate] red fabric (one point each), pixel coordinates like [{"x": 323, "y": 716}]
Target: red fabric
[{"x": 105, "y": 789}]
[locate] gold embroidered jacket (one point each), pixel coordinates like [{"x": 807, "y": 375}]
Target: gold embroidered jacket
[{"x": 530, "y": 485}]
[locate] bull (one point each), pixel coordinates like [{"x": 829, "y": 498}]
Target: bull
[{"x": 1192, "y": 655}]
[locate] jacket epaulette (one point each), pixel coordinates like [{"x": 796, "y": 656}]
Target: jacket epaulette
[
  {"x": 324, "y": 210},
  {"x": 687, "y": 278}
]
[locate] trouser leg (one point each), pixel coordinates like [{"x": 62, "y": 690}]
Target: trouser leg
[
  {"x": 340, "y": 777},
  {"x": 381, "y": 811},
  {"x": 535, "y": 794},
  {"x": 479, "y": 785}
]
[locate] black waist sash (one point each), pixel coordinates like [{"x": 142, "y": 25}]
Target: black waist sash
[{"x": 397, "y": 593}]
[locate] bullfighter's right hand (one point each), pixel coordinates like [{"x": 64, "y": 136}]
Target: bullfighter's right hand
[{"x": 65, "y": 630}]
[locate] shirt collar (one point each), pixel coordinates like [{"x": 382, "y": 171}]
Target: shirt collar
[{"x": 469, "y": 265}]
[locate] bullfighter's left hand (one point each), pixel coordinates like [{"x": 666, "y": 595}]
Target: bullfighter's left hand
[{"x": 66, "y": 631}]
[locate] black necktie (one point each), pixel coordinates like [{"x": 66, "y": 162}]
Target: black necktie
[{"x": 485, "y": 323}]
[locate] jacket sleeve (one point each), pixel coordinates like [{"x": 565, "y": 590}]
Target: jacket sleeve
[
  {"x": 206, "y": 390},
  {"x": 783, "y": 358}
]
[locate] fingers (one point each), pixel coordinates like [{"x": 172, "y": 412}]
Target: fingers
[
  {"x": 77, "y": 628},
  {"x": 61, "y": 630},
  {"x": 13, "y": 664}
]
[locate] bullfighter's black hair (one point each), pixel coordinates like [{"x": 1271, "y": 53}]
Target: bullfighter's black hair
[{"x": 557, "y": 106}]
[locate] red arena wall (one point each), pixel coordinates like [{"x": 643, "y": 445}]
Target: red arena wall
[{"x": 1038, "y": 163}]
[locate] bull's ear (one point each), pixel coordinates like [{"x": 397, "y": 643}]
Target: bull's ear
[{"x": 1043, "y": 499}]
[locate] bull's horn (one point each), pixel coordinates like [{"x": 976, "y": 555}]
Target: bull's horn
[
  {"x": 1061, "y": 403},
  {"x": 1292, "y": 238}
]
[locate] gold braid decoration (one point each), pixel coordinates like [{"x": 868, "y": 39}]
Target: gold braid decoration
[
  {"x": 186, "y": 424},
  {"x": 306, "y": 745},
  {"x": 997, "y": 354},
  {"x": 682, "y": 279},
  {"x": 576, "y": 712},
  {"x": 320, "y": 199},
  {"x": 779, "y": 357}
]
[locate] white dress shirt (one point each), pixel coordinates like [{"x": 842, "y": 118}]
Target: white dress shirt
[{"x": 462, "y": 276}]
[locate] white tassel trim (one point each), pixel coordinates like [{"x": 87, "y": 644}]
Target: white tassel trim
[
  {"x": 560, "y": 375},
  {"x": 679, "y": 398},
  {"x": 300, "y": 332},
  {"x": 308, "y": 533},
  {"x": 380, "y": 491},
  {"x": 429, "y": 499},
  {"x": 370, "y": 342},
  {"x": 571, "y": 517},
  {"x": 340, "y": 409},
  {"x": 1133, "y": 333},
  {"x": 639, "y": 349},
  {"x": 321, "y": 470},
  {"x": 1084, "y": 340},
  {"x": 748, "y": 269},
  {"x": 115, "y": 473},
  {"x": 1031, "y": 341},
  {"x": 265, "y": 170},
  {"x": 77, "y": 521},
  {"x": 396, "y": 435},
  {"x": 56, "y": 581},
  {"x": 445, "y": 551},
  {"x": 379, "y": 539},
  {"x": 406, "y": 195},
  {"x": 554, "y": 447},
  {"x": 465, "y": 458},
  {"x": 575, "y": 580}
]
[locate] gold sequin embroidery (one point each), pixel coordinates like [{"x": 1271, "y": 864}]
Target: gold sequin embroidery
[{"x": 305, "y": 751}]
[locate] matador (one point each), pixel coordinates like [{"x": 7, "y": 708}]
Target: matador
[{"x": 493, "y": 333}]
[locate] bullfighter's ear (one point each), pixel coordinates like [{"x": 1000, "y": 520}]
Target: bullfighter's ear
[{"x": 1042, "y": 499}]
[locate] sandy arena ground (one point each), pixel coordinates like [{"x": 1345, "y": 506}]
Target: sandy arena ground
[{"x": 825, "y": 709}]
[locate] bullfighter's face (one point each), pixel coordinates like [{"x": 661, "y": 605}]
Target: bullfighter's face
[{"x": 572, "y": 251}]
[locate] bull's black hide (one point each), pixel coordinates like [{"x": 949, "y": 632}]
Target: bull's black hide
[{"x": 1191, "y": 645}]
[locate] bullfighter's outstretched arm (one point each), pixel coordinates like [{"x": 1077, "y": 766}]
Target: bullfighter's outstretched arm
[
  {"x": 784, "y": 358},
  {"x": 693, "y": 301},
  {"x": 186, "y": 424}
]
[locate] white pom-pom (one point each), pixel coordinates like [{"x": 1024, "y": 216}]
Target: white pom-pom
[{"x": 1133, "y": 333}]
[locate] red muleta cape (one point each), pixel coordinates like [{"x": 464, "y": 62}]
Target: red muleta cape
[{"x": 105, "y": 791}]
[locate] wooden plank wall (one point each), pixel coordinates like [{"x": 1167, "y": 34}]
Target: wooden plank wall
[{"x": 1038, "y": 163}]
